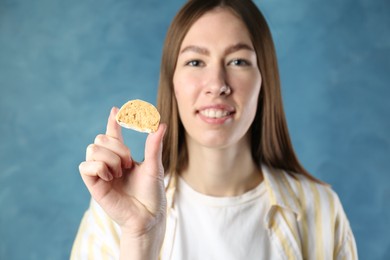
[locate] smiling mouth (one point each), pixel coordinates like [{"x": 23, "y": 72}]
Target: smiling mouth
[{"x": 215, "y": 113}]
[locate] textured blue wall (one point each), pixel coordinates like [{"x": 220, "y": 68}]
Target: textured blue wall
[{"x": 64, "y": 64}]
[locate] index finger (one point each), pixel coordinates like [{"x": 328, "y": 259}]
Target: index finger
[{"x": 113, "y": 128}]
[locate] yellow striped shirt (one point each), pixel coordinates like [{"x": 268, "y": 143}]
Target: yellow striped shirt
[{"x": 305, "y": 221}]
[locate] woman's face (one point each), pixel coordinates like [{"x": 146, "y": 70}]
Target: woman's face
[{"x": 217, "y": 52}]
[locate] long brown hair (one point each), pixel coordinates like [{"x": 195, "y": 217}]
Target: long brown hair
[{"x": 270, "y": 140}]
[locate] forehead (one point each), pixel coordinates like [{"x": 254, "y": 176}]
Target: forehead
[{"x": 217, "y": 26}]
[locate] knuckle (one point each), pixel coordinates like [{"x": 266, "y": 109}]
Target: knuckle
[
  {"x": 117, "y": 162},
  {"x": 81, "y": 167},
  {"x": 84, "y": 168},
  {"x": 117, "y": 166},
  {"x": 91, "y": 150},
  {"x": 101, "y": 138},
  {"x": 100, "y": 167},
  {"x": 127, "y": 153}
]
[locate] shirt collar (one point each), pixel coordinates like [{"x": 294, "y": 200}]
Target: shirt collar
[
  {"x": 170, "y": 189},
  {"x": 279, "y": 187}
]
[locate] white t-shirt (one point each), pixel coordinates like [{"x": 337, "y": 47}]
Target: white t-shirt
[
  {"x": 305, "y": 220},
  {"x": 221, "y": 227}
]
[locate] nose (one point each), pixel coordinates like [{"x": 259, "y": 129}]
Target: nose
[{"x": 217, "y": 82}]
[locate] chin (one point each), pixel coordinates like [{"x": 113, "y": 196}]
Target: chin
[{"x": 216, "y": 140}]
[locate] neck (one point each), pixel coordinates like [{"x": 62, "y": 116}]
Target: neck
[{"x": 221, "y": 172}]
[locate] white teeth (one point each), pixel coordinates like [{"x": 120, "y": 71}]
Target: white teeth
[{"x": 214, "y": 113}]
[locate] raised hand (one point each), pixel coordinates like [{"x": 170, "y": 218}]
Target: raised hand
[{"x": 131, "y": 193}]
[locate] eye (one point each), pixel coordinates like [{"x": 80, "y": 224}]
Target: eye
[
  {"x": 194, "y": 63},
  {"x": 239, "y": 62}
]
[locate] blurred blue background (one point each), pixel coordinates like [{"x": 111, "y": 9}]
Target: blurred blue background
[{"x": 64, "y": 64}]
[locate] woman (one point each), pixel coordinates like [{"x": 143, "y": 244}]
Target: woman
[{"x": 235, "y": 187}]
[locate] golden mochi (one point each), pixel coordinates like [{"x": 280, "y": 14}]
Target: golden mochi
[{"x": 139, "y": 115}]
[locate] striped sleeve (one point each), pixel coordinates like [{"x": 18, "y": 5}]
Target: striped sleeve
[
  {"x": 324, "y": 226},
  {"x": 306, "y": 219},
  {"x": 345, "y": 245},
  {"x": 97, "y": 237}
]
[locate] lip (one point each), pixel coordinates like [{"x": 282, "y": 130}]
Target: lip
[{"x": 227, "y": 112}]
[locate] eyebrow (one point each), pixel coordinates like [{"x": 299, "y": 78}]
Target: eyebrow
[
  {"x": 197, "y": 49},
  {"x": 230, "y": 49},
  {"x": 238, "y": 47}
]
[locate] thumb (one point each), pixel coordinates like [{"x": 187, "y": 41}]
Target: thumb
[
  {"x": 153, "y": 145},
  {"x": 113, "y": 128}
]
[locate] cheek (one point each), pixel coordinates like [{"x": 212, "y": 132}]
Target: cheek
[
  {"x": 182, "y": 96},
  {"x": 178, "y": 90},
  {"x": 256, "y": 86},
  {"x": 185, "y": 87},
  {"x": 249, "y": 95},
  {"x": 254, "y": 97},
  {"x": 177, "y": 87},
  {"x": 249, "y": 87}
]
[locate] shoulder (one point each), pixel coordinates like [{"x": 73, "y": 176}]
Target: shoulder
[
  {"x": 307, "y": 198},
  {"x": 322, "y": 207},
  {"x": 320, "y": 192},
  {"x": 320, "y": 217}
]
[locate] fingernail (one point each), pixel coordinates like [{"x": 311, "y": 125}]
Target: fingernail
[
  {"x": 114, "y": 110},
  {"x": 164, "y": 128},
  {"x": 129, "y": 164}
]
